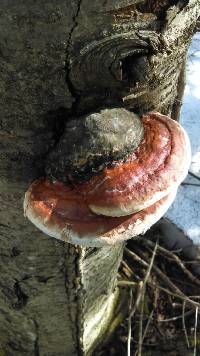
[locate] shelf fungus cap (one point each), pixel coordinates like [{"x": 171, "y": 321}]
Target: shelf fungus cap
[
  {"x": 123, "y": 199},
  {"x": 61, "y": 213},
  {"x": 157, "y": 166}
]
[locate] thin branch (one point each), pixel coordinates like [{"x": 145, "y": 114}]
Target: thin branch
[
  {"x": 182, "y": 297},
  {"x": 138, "y": 298},
  {"x": 150, "y": 318},
  {"x": 163, "y": 277},
  {"x": 175, "y": 317},
  {"x": 149, "y": 268},
  {"x": 129, "y": 326},
  {"x": 124, "y": 283},
  {"x": 193, "y": 184},
  {"x": 184, "y": 326},
  {"x": 178, "y": 261},
  {"x": 194, "y": 175},
  {"x": 176, "y": 291},
  {"x": 139, "y": 353},
  {"x": 195, "y": 332},
  {"x": 127, "y": 268}
]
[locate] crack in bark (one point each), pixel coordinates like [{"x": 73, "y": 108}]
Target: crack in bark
[
  {"x": 43, "y": 279},
  {"x": 21, "y": 296},
  {"x": 67, "y": 62},
  {"x": 180, "y": 91},
  {"x": 36, "y": 343},
  {"x": 81, "y": 299},
  {"x": 15, "y": 252},
  {"x": 70, "y": 270},
  {"x": 75, "y": 17},
  {"x": 4, "y": 226}
]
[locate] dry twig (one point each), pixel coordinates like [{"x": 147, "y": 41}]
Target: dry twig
[
  {"x": 175, "y": 258},
  {"x": 175, "y": 290},
  {"x": 127, "y": 270},
  {"x": 195, "y": 332},
  {"x": 129, "y": 326},
  {"x": 184, "y": 326},
  {"x": 124, "y": 283},
  {"x": 150, "y": 318},
  {"x": 140, "y": 294},
  {"x": 194, "y": 175},
  {"x": 140, "y": 338},
  {"x": 149, "y": 268}
]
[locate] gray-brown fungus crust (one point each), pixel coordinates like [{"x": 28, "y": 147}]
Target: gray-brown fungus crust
[{"x": 92, "y": 142}]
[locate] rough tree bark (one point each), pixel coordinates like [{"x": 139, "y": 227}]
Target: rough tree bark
[{"x": 60, "y": 59}]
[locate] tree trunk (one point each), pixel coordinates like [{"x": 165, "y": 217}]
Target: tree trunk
[{"x": 61, "y": 59}]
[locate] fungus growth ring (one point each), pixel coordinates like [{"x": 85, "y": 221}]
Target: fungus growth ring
[{"x": 123, "y": 199}]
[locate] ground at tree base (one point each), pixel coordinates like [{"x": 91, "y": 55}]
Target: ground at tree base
[{"x": 164, "y": 300}]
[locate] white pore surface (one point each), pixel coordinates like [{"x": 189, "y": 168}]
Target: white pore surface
[{"x": 185, "y": 211}]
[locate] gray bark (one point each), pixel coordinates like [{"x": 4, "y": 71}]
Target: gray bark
[
  {"x": 60, "y": 59},
  {"x": 55, "y": 299}
]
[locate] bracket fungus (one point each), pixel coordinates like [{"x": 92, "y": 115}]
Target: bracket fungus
[{"x": 114, "y": 177}]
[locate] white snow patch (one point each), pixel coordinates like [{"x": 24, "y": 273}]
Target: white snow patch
[{"x": 185, "y": 211}]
